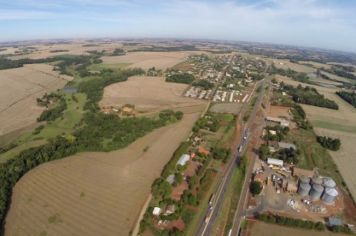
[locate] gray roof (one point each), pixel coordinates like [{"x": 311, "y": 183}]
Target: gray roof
[{"x": 333, "y": 221}]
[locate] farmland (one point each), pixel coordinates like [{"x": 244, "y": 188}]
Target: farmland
[
  {"x": 64, "y": 193},
  {"x": 146, "y": 60},
  {"x": 19, "y": 89}
]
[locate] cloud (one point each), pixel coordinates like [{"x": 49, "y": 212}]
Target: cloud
[{"x": 320, "y": 23}]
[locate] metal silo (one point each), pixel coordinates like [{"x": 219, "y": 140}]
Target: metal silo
[
  {"x": 304, "y": 189},
  {"x": 329, "y": 182},
  {"x": 329, "y": 195},
  {"x": 316, "y": 192},
  {"x": 304, "y": 180},
  {"x": 317, "y": 180}
]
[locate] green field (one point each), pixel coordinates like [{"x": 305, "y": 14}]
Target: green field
[
  {"x": 312, "y": 154},
  {"x": 334, "y": 126}
]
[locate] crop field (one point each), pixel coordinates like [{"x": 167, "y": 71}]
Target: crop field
[
  {"x": 19, "y": 89},
  {"x": 285, "y": 64},
  {"x": 59, "y": 197},
  {"x": 263, "y": 229},
  {"x": 148, "y": 94},
  {"x": 146, "y": 60}
]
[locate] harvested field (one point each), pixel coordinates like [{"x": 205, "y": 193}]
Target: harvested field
[
  {"x": 146, "y": 60},
  {"x": 154, "y": 95},
  {"x": 262, "y": 229},
  {"x": 19, "y": 89},
  {"x": 98, "y": 193},
  {"x": 285, "y": 64}
]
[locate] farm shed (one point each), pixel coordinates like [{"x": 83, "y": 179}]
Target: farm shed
[
  {"x": 275, "y": 162},
  {"x": 183, "y": 160}
]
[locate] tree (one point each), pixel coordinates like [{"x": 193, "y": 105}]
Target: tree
[{"x": 255, "y": 187}]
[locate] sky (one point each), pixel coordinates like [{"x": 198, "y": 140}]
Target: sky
[{"x": 329, "y": 24}]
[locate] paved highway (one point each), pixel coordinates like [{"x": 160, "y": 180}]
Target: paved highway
[{"x": 215, "y": 204}]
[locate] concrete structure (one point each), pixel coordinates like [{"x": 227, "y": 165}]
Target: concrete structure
[
  {"x": 334, "y": 221},
  {"x": 329, "y": 182},
  {"x": 287, "y": 145},
  {"x": 330, "y": 195},
  {"x": 304, "y": 189},
  {"x": 156, "y": 211},
  {"x": 183, "y": 160},
  {"x": 274, "y": 162},
  {"x": 316, "y": 192}
]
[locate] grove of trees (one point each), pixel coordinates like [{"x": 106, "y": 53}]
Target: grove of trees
[
  {"x": 183, "y": 78},
  {"x": 349, "y": 97},
  {"x": 329, "y": 143}
]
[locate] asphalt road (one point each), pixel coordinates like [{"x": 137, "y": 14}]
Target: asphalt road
[{"x": 214, "y": 208}]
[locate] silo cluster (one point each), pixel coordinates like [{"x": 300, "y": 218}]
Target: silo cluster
[{"x": 318, "y": 188}]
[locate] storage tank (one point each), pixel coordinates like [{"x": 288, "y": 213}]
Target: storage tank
[
  {"x": 329, "y": 195},
  {"x": 304, "y": 180},
  {"x": 329, "y": 182},
  {"x": 304, "y": 189},
  {"x": 316, "y": 192},
  {"x": 317, "y": 180}
]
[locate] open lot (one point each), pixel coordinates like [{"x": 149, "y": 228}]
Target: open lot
[
  {"x": 146, "y": 60},
  {"x": 263, "y": 229},
  {"x": 59, "y": 197},
  {"x": 19, "y": 89}
]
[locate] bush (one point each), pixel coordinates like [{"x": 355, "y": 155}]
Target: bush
[
  {"x": 255, "y": 188},
  {"x": 329, "y": 143}
]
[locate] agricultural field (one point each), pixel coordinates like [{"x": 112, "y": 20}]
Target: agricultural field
[
  {"x": 263, "y": 229},
  {"x": 148, "y": 94},
  {"x": 58, "y": 198},
  {"x": 285, "y": 64},
  {"x": 146, "y": 60},
  {"x": 19, "y": 89},
  {"x": 337, "y": 124}
]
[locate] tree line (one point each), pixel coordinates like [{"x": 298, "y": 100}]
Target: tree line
[
  {"x": 349, "y": 97},
  {"x": 308, "y": 95}
]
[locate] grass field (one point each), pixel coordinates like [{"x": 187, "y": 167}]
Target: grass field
[
  {"x": 263, "y": 229},
  {"x": 59, "y": 197},
  {"x": 115, "y": 66},
  {"x": 19, "y": 89}
]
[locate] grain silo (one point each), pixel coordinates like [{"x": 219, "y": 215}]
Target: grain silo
[
  {"x": 317, "y": 180},
  {"x": 316, "y": 192},
  {"x": 304, "y": 180},
  {"x": 304, "y": 189},
  {"x": 329, "y": 182},
  {"x": 329, "y": 195}
]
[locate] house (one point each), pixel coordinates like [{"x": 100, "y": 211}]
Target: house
[
  {"x": 284, "y": 145},
  {"x": 183, "y": 160},
  {"x": 203, "y": 151},
  {"x": 274, "y": 162},
  {"x": 170, "y": 209},
  {"x": 156, "y": 211}
]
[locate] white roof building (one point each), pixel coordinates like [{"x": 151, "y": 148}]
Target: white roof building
[
  {"x": 170, "y": 179},
  {"x": 183, "y": 160},
  {"x": 156, "y": 211},
  {"x": 275, "y": 162}
]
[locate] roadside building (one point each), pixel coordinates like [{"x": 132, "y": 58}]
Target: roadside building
[
  {"x": 275, "y": 162},
  {"x": 277, "y": 121}
]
